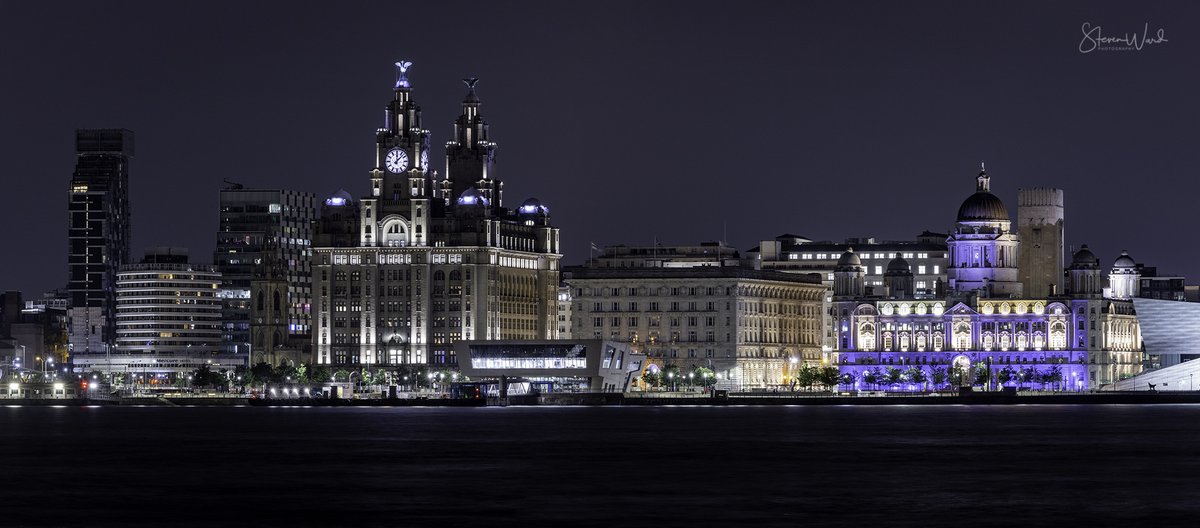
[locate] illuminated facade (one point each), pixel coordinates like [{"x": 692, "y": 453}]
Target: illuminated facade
[
  {"x": 983, "y": 247},
  {"x": 751, "y": 327},
  {"x": 423, "y": 261},
  {"x": 168, "y": 320},
  {"x": 984, "y": 332}
]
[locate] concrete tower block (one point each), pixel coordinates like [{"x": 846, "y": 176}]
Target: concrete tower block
[{"x": 1040, "y": 226}]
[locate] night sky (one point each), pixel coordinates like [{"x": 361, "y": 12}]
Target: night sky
[{"x": 675, "y": 120}]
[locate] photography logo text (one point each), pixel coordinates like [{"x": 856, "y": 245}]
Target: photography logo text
[{"x": 1094, "y": 39}]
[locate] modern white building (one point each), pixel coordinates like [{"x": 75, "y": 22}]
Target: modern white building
[{"x": 168, "y": 320}]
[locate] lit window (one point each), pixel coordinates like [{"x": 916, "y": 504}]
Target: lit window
[
  {"x": 921, "y": 270},
  {"x": 879, "y": 270}
]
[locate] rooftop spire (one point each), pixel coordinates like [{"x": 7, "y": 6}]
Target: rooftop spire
[
  {"x": 402, "y": 74},
  {"x": 471, "y": 97},
  {"x": 983, "y": 182}
]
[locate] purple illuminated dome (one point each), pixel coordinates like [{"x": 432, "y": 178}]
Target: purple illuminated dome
[
  {"x": 339, "y": 198},
  {"x": 471, "y": 196},
  {"x": 533, "y": 206}
]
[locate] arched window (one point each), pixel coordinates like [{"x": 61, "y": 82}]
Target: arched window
[
  {"x": 962, "y": 336},
  {"x": 275, "y": 302},
  {"x": 394, "y": 234},
  {"x": 455, "y": 275},
  {"x": 439, "y": 275},
  {"x": 866, "y": 337},
  {"x": 1058, "y": 336},
  {"x": 261, "y": 302}
]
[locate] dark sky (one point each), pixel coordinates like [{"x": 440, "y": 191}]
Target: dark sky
[{"x": 674, "y": 120}]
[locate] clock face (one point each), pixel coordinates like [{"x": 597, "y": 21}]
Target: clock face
[
  {"x": 396, "y": 161},
  {"x": 425, "y": 160}
]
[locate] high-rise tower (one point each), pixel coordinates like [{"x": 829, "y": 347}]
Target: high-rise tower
[
  {"x": 98, "y": 235},
  {"x": 264, "y": 235},
  {"x": 1040, "y": 225}
]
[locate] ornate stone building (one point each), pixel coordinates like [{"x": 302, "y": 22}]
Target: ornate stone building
[
  {"x": 424, "y": 261},
  {"x": 984, "y": 332},
  {"x": 751, "y": 327}
]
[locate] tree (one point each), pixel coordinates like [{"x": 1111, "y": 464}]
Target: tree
[
  {"x": 958, "y": 374},
  {"x": 828, "y": 376},
  {"x": 892, "y": 376},
  {"x": 341, "y": 375},
  {"x": 915, "y": 375},
  {"x": 806, "y": 376},
  {"x": 671, "y": 376},
  {"x": 939, "y": 376},
  {"x": 318, "y": 374},
  {"x": 847, "y": 379},
  {"x": 705, "y": 376},
  {"x": 262, "y": 373},
  {"x": 652, "y": 378},
  {"x": 1006, "y": 374},
  {"x": 201, "y": 376},
  {"x": 1029, "y": 375},
  {"x": 871, "y": 377},
  {"x": 1054, "y": 375},
  {"x": 982, "y": 374}
]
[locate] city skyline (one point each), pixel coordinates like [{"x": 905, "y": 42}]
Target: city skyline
[{"x": 797, "y": 113}]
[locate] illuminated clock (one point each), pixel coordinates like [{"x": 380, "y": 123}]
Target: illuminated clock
[
  {"x": 425, "y": 160},
  {"x": 396, "y": 161}
]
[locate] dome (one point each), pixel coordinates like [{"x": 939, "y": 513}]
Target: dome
[
  {"x": 898, "y": 266},
  {"x": 849, "y": 259},
  {"x": 533, "y": 206},
  {"x": 982, "y": 206},
  {"x": 1084, "y": 258},
  {"x": 339, "y": 199},
  {"x": 1124, "y": 261},
  {"x": 472, "y": 196}
]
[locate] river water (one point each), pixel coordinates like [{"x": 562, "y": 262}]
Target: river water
[{"x": 601, "y": 466}]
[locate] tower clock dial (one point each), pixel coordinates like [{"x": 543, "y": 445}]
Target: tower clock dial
[{"x": 396, "y": 161}]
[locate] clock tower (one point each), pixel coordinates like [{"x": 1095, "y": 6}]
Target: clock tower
[
  {"x": 471, "y": 156},
  {"x": 401, "y": 184}
]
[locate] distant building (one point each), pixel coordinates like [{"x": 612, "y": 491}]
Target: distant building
[
  {"x": 98, "y": 236},
  {"x": 1153, "y": 285},
  {"x": 265, "y": 237},
  {"x": 168, "y": 320},
  {"x": 926, "y": 256},
  {"x": 662, "y": 256},
  {"x": 1040, "y": 224},
  {"x": 751, "y": 327},
  {"x": 564, "y": 313}
]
